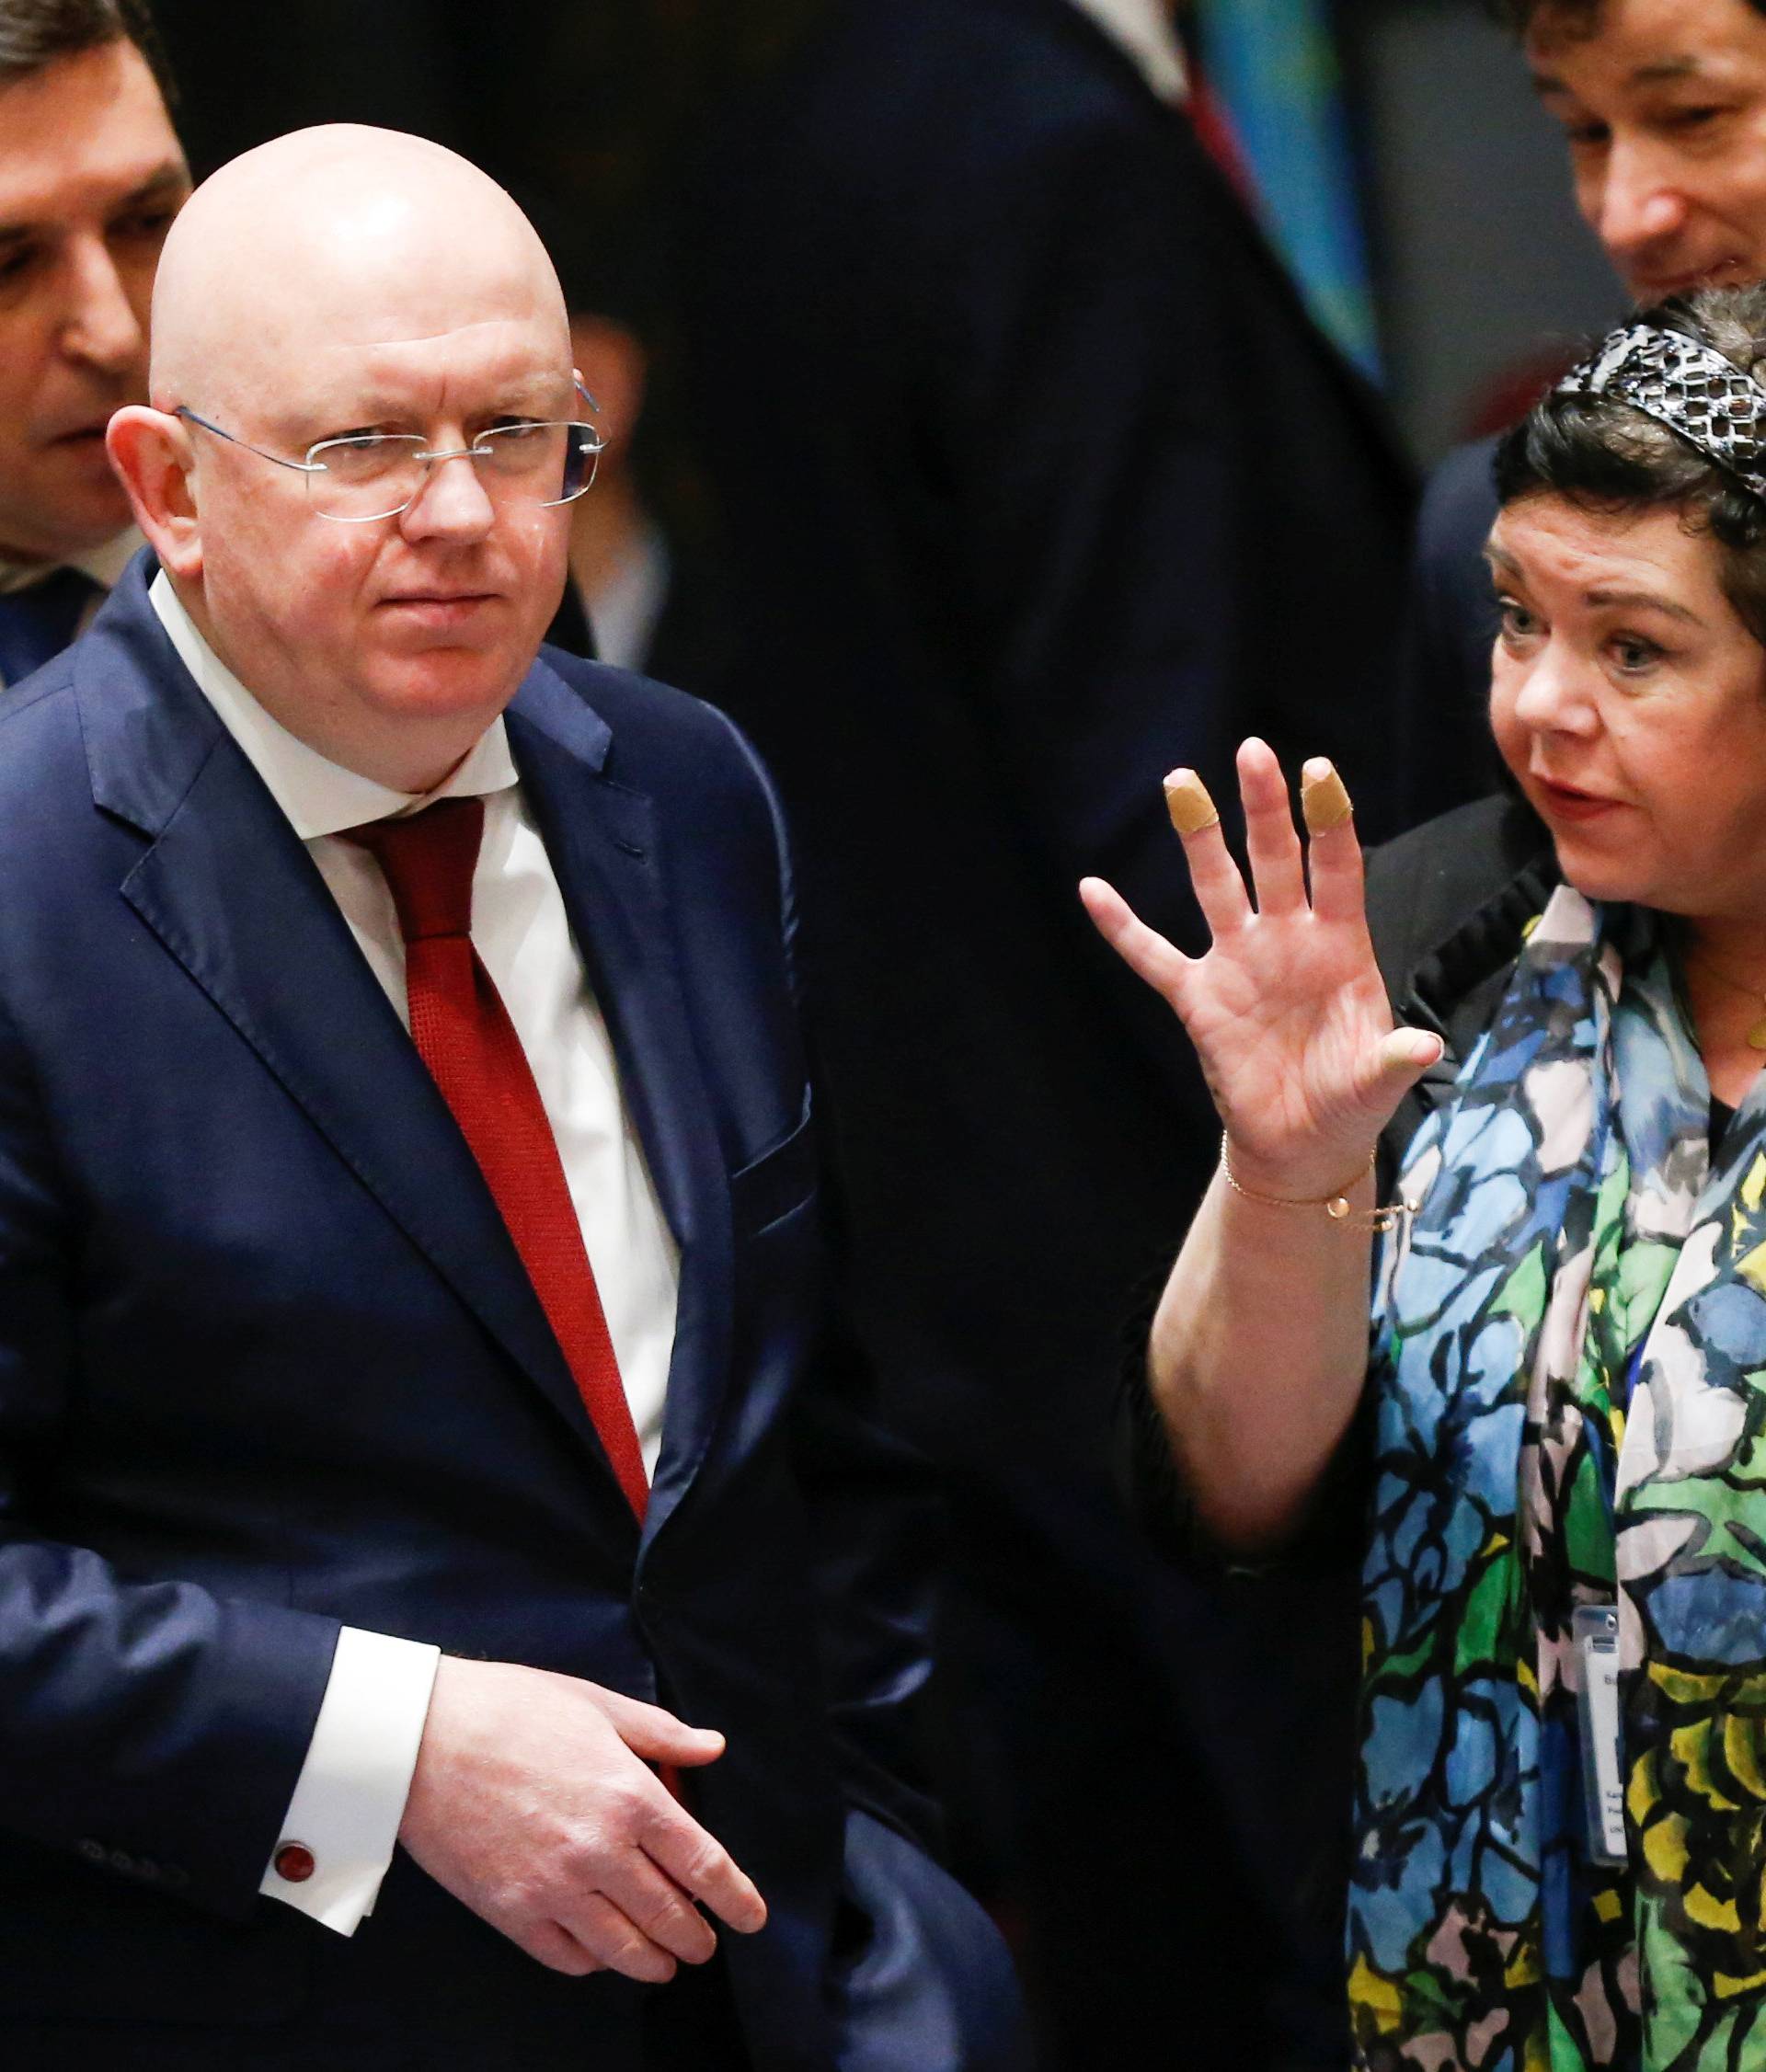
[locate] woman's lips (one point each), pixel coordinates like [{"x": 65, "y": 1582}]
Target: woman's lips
[
  {"x": 1564, "y": 802},
  {"x": 1657, "y": 288}
]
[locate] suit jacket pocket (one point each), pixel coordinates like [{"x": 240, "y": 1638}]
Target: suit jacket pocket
[{"x": 768, "y": 1189}]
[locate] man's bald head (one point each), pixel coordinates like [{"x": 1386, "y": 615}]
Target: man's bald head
[
  {"x": 342, "y": 237},
  {"x": 369, "y": 297}
]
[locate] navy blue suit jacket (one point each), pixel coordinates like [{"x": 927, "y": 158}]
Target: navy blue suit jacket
[{"x": 268, "y": 1364}]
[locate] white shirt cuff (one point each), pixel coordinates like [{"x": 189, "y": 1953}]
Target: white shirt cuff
[{"x": 350, "y": 1797}]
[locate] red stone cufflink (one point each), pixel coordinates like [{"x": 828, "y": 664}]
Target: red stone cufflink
[{"x": 293, "y": 1863}]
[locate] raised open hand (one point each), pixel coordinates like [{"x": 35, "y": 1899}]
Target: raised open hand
[{"x": 1286, "y": 1010}]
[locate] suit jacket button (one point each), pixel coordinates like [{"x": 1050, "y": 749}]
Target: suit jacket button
[
  {"x": 293, "y": 1863},
  {"x": 93, "y": 1851}
]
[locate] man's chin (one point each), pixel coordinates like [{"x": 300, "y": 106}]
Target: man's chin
[
  {"x": 64, "y": 528},
  {"x": 440, "y": 682},
  {"x": 444, "y": 643}
]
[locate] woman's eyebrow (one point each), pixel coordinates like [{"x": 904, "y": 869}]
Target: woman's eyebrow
[
  {"x": 1502, "y": 563},
  {"x": 1649, "y": 599}
]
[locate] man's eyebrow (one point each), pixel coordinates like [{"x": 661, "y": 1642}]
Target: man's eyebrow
[
  {"x": 1661, "y": 69},
  {"x": 172, "y": 178},
  {"x": 540, "y": 390},
  {"x": 163, "y": 183},
  {"x": 368, "y": 406},
  {"x": 1658, "y": 72}
]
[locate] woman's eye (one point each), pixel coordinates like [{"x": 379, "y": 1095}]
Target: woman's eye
[
  {"x": 1517, "y": 622},
  {"x": 1632, "y": 657}
]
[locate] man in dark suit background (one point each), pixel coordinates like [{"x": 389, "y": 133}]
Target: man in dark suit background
[
  {"x": 91, "y": 175},
  {"x": 1664, "y": 112},
  {"x": 1040, "y": 481},
  {"x": 417, "y": 1388},
  {"x": 654, "y": 603}
]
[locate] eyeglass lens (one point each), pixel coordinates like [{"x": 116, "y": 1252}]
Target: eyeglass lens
[{"x": 378, "y": 473}]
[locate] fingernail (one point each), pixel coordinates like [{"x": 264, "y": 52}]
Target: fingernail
[
  {"x": 1188, "y": 802},
  {"x": 1323, "y": 799}
]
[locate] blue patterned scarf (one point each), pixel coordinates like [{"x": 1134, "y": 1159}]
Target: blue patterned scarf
[{"x": 1569, "y": 1371}]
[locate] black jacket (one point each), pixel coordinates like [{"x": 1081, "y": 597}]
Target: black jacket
[
  {"x": 1447, "y": 754},
  {"x": 1041, "y": 482}
]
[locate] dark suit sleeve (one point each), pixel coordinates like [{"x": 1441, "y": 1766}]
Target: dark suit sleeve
[
  {"x": 1093, "y": 459},
  {"x": 150, "y": 1728},
  {"x": 1447, "y": 752},
  {"x": 1125, "y": 538}
]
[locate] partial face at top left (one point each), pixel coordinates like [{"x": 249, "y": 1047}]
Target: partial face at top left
[{"x": 91, "y": 175}]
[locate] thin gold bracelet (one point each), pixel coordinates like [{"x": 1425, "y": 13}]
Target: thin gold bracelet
[{"x": 1336, "y": 1207}]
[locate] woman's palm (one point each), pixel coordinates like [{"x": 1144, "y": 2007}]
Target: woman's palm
[{"x": 1286, "y": 1010}]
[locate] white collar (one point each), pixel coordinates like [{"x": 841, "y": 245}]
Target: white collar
[
  {"x": 1143, "y": 28},
  {"x": 319, "y": 797},
  {"x": 103, "y": 563}
]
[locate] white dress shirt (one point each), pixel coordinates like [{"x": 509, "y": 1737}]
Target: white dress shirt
[
  {"x": 351, "y": 1790},
  {"x": 1144, "y": 29}
]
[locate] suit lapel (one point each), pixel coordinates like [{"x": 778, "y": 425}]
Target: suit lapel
[
  {"x": 272, "y": 950},
  {"x": 606, "y": 852}
]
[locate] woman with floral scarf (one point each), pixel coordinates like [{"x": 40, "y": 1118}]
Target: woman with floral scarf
[{"x": 1560, "y": 1824}]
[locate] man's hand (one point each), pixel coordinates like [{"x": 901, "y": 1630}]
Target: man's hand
[{"x": 532, "y": 1802}]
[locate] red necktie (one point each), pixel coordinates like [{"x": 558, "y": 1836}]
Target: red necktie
[{"x": 465, "y": 1035}]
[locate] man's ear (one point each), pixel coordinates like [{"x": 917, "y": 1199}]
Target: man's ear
[{"x": 151, "y": 452}]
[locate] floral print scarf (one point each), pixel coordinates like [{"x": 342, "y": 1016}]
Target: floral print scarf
[{"x": 1569, "y": 1384}]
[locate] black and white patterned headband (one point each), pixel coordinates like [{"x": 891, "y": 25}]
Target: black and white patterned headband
[{"x": 1689, "y": 388}]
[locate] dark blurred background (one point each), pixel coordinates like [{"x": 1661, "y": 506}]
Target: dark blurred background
[{"x": 1474, "y": 259}]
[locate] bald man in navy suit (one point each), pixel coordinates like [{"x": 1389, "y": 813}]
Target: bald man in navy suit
[{"x": 457, "y": 1603}]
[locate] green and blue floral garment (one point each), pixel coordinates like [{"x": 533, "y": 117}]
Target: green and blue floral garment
[{"x": 1569, "y": 1372}]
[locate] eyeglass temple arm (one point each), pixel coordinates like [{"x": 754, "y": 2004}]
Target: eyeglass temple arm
[{"x": 233, "y": 439}]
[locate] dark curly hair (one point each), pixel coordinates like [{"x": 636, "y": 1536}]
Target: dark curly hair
[
  {"x": 35, "y": 33},
  {"x": 1599, "y": 453}
]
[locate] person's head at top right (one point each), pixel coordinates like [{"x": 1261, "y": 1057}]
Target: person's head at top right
[
  {"x": 91, "y": 175},
  {"x": 1663, "y": 103}
]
